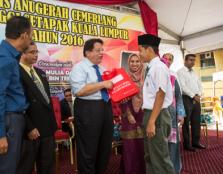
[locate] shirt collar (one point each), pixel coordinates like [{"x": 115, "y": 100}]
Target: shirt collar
[
  {"x": 88, "y": 62},
  {"x": 16, "y": 54},
  {"x": 153, "y": 61},
  {"x": 27, "y": 68},
  {"x": 187, "y": 69}
]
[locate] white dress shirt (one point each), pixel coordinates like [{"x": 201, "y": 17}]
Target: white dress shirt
[
  {"x": 82, "y": 74},
  {"x": 189, "y": 82},
  {"x": 158, "y": 77}
]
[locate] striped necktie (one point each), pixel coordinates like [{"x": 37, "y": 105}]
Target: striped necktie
[
  {"x": 39, "y": 85},
  {"x": 104, "y": 93}
]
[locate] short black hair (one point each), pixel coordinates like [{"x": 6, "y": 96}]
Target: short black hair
[
  {"x": 89, "y": 44},
  {"x": 67, "y": 90},
  {"x": 155, "y": 49},
  {"x": 189, "y": 55},
  {"x": 16, "y": 26},
  {"x": 32, "y": 43}
]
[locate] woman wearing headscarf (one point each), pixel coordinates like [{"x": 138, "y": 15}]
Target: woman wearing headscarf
[
  {"x": 132, "y": 115},
  {"x": 177, "y": 113}
]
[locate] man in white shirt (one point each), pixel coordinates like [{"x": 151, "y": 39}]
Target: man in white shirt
[
  {"x": 157, "y": 96},
  {"x": 92, "y": 110},
  {"x": 191, "y": 89}
]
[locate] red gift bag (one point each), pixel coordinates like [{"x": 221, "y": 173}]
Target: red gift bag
[{"x": 123, "y": 86}]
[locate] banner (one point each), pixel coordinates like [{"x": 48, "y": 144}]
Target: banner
[{"x": 61, "y": 28}]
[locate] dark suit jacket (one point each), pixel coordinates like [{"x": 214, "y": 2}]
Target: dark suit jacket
[
  {"x": 39, "y": 114},
  {"x": 65, "y": 109}
]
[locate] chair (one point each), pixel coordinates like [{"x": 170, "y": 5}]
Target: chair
[
  {"x": 61, "y": 136},
  {"x": 204, "y": 127}
]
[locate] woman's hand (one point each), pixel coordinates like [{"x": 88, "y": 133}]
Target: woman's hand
[
  {"x": 131, "y": 119},
  {"x": 125, "y": 100},
  {"x": 180, "y": 120}
]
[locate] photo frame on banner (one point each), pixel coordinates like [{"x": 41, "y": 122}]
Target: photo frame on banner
[{"x": 124, "y": 59}]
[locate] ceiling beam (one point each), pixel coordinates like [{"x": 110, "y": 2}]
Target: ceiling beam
[
  {"x": 203, "y": 33},
  {"x": 172, "y": 42},
  {"x": 168, "y": 31}
]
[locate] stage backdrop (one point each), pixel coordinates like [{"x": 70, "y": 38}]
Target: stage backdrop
[{"x": 61, "y": 28}]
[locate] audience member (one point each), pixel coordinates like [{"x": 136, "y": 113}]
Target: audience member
[
  {"x": 67, "y": 111},
  {"x": 191, "y": 89},
  {"x": 177, "y": 113}
]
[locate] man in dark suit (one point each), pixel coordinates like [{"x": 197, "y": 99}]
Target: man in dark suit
[
  {"x": 38, "y": 144},
  {"x": 66, "y": 106}
]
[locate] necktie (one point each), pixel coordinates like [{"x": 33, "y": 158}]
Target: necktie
[
  {"x": 39, "y": 85},
  {"x": 104, "y": 93},
  {"x": 71, "y": 108},
  {"x": 146, "y": 71}
]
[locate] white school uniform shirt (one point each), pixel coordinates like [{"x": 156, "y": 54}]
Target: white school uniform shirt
[
  {"x": 189, "y": 82},
  {"x": 158, "y": 77}
]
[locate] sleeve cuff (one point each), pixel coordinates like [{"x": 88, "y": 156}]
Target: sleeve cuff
[
  {"x": 162, "y": 88},
  {"x": 77, "y": 88},
  {"x": 192, "y": 95}
]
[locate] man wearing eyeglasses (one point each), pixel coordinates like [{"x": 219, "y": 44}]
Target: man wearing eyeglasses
[
  {"x": 66, "y": 106},
  {"x": 92, "y": 110},
  {"x": 38, "y": 143}
]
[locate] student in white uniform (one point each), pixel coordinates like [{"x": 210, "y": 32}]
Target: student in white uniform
[{"x": 157, "y": 96}]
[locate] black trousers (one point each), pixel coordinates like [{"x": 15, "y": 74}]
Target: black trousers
[
  {"x": 41, "y": 151},
  {"x": 94, "y": 128},
  {"x": 193, "y": 117}
]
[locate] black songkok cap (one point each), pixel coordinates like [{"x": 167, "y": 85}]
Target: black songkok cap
[{"x": 149, "y": 39}]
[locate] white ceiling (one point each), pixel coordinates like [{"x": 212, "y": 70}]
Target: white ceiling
[
  {"x": 202, "y": 15},
  {"x": 199, "y": 23}
]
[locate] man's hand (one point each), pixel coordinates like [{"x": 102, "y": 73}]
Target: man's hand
[
  {"x": 150, "y": 129},
  {"x": 107, "y": 84},
  {"x": 3, "y": 145},
  {"x": 197, "y": 98},
  {"x": 180, "y": 120},
  {"x": 131, "y": 119},
  {"x": 70, "y": 119},
  {"x": 34, "y": 134}
]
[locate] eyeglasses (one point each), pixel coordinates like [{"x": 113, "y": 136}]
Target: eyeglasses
[
  {"x": 98, "y": 50},
  {"x": 33, "y": 52}
]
